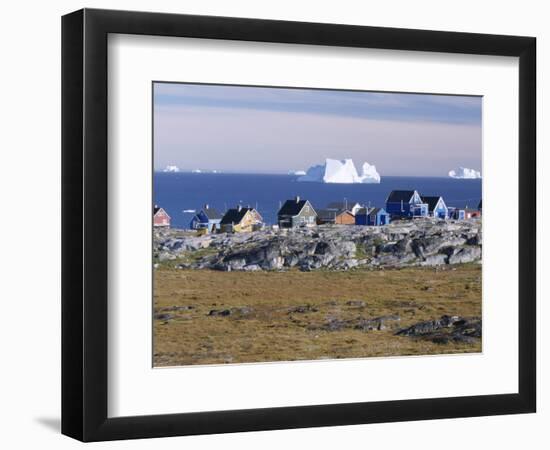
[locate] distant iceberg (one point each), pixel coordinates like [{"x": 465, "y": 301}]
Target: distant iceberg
[
  {"x": 172, "y": 169},
  {"x": 369, "y": 174},
  {"x": 297, "y": 172},
  {"x": 464, "y": 173},
  {"x": 341, "y": 171},
  {"x": 205, "y": 171}
]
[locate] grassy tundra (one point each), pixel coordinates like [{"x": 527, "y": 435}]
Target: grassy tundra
[{"x": 215, "y": 317}]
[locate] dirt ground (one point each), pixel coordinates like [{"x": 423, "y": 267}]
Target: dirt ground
[{"x": 213, "y": 317}]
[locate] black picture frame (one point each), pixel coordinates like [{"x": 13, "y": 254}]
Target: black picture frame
[{"x": 84, "y": 224}]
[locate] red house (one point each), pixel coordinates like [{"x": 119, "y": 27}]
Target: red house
[{"x": 160, "y": 217}]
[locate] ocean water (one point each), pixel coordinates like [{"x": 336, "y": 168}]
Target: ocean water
[{"x": 177, "y": 192}]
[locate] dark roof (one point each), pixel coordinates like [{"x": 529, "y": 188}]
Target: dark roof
[
  {"x": 331, "y": 214},
  {"x": 431, "y": 201},
  {"x": 211, "y": 213},
  {"x": 373, "y": 212},
  {"x": 234, "y": 215},
  {"x": 156, "y": 209},
  {"x": 327, "y": 214},
  {"x": 398, "y": 196},
  {"x": 292, "y": 207},
  {"x": 341, "y": 205},
  {"x": 370, "y": 211}
]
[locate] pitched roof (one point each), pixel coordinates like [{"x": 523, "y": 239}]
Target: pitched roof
[
  {"x": 234, "y": 215},
  {"x": 292, "y": 207},
  {"x": 400, "y": 196},
  {"x": 331, "y": 214},
  {"x": 157, "y": 208},
  {"x": 327, "y": 214},
  {"x": 373, "y": 212},
  {"x": 211, "y": 213},
  {"x": 370, "y": 211},
  {"x": 431, "y": 201}
]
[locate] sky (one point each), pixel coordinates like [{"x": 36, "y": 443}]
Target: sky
[{"x": 244, "y": 129}]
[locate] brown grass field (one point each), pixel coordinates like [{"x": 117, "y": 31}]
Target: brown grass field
[{"x": 284, "y": 313}]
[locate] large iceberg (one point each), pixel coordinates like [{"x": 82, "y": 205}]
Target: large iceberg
[
  {"x": 341, "y": 171},
  {"x": 464, "y": 173},
  {"x": 369, "y": 174}
]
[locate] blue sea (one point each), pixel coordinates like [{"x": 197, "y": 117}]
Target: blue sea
[{"x": 177, "y": 192}]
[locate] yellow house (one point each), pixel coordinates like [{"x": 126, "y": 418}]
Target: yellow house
[{"x": 238, "y": 220}]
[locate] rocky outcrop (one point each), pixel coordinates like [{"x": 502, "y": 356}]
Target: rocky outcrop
[
  {"x": 422, "y": 242},
  {"x": 445, "y": 329},
  {"x": 360, "y": 323}
]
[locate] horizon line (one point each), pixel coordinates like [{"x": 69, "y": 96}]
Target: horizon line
[{"x": 209, "y": 172}]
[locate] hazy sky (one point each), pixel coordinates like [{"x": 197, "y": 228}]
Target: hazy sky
[{"x": 274, "y": 130}]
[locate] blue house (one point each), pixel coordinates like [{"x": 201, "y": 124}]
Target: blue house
[
  {"x": 207, "y": 218},
  {"x": 406, "y": 204},
  {"x": 456, "y": 213},
  {"x": 436, "y": 206},
  {"x": 372, "y": 216}
]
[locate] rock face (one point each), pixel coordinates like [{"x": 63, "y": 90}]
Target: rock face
[
  {"x": 362, "y": 324},
  {"x": 422, "y": 242},
  {"x": 444, "y": 330}
]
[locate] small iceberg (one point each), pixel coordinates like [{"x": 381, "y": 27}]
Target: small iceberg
[
  {"x": 297, "y": 172},
  {"x": 171, "y": 169},
  {"x": 191, "y": 211},
  {"x": 206, "y": 171},
  {"x": 463, "y": 173},
  {"x": 341, "y": 171}
]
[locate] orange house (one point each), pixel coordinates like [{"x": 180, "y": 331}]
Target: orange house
[
  {"x": 342, "y": 217},
  {"x": 345, "y": 218}
]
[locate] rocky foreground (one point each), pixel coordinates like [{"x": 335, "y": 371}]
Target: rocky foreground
[
  {"x": 213, "y": 317},
  {"x": 421, "y": 242}
]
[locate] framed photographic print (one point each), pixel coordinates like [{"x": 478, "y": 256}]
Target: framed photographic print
[{"x": 273, "y": 224}]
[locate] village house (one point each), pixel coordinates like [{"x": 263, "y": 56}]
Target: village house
[
  {"x": 372, "y": 217},
  {"x": 470, "y": 213},
  {"x": 238, "y": 220},
  {"x": 337, "y": 217},
  {"x": 206, "y": 219},
  {"x": 406, "y": 204},
  {"x": 353, "y": 207},
  {"x": 436, "y": 206},
  {"x": 456, "y": 213},
  {"x": 296, "y": 213},
  {"x": 160, "y": 217}
]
